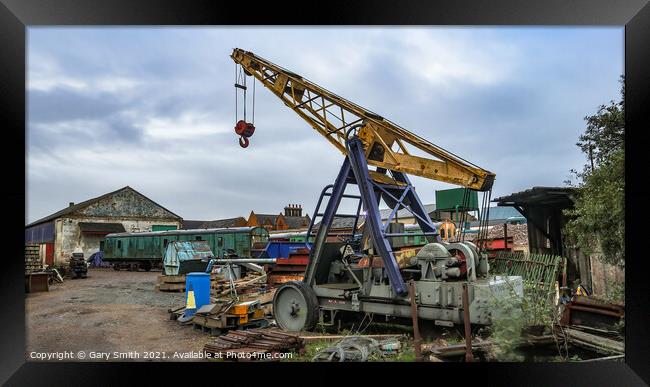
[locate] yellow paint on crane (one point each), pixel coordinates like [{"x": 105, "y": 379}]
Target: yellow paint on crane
[{"x": 385, "y": 143}]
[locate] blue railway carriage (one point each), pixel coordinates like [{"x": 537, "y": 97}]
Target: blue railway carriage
[{"x": 146, "y": 249}]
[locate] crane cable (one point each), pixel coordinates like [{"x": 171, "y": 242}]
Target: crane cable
[
  {"x": 484, "y": 217},
  {"x": 243, "y": 128}
]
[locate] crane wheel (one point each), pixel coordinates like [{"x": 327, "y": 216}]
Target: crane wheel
[{"x": 295, "y": 307}]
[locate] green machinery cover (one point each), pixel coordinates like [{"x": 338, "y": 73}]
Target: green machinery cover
[{"x": 452, "y": 199}]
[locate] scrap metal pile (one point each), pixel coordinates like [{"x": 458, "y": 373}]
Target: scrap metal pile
[
  {"x": 518, "y": 232},
  {"x": 253, "y": 341},
  {"x": 358, "y": 348}
]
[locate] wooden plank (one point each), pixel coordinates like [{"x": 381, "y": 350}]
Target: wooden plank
[
  {"x": 601, "y": 344},
  {"x": 339, "y": 337}
]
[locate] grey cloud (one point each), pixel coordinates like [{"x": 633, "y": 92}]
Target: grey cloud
[
  {"x": 64, "y": 105},
  {"x": 522, "y": 128}
]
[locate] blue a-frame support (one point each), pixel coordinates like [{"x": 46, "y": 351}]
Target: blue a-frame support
[{"x": 401, "y": 195}]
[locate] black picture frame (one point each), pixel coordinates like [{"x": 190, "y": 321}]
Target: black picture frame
[{"x": 18, "y": 15}]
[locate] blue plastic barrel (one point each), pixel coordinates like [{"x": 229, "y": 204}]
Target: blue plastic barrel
[{"x": 200, "y": 284}]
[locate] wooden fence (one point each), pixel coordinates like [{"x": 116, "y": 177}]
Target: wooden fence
[{"x": 539, "y": 271}]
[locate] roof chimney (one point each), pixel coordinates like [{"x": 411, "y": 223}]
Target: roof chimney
[{"x": 70, "y": 204}]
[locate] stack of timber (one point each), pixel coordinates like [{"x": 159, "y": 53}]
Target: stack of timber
[
  {"x": 175, "y": 283},
  {"x": 251, "y": 283},
  {"x": 33, "y": 261},
  {"x": 253, "y": 342}
]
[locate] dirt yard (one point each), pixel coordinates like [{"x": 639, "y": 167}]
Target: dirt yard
[{"x": 108, "y": 312}]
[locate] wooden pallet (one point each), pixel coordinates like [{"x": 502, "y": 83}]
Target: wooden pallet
[
  {"x": 33, "y": 261},
  {"x": 215, "y": 318},
  {"x": 226, "y": 323}
]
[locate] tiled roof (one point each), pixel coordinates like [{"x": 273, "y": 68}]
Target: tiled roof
[
  {"x": 404, "y": 213},
  {"x": 263, "y": 218},
  {"x": 297, "y": 221},
  {"x": 192, "y": 224},
  {"x": 79, "y": 206},
  {"x": 223, "y": 223}
]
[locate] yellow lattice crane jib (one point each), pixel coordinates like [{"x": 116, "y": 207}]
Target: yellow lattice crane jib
[{"x": 385, "y": 143}]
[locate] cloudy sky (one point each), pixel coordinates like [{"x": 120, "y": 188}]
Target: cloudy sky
[{"x": 154, "y": 108}]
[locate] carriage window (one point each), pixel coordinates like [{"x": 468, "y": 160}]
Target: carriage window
[
  {"x": 442, "y": 233},
  {"x": 164, "y": 242},
  {"x": 198, "y": 238},
  {"x": 220, "y": 241},
  {"x": 119, "y": 244}
]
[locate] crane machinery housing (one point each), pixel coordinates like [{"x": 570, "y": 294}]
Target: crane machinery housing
[{"x": 368, "y": 276}]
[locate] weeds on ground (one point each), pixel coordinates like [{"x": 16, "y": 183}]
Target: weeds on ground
[
  {"x": 406, "y": 354},
  {"x": 311, "y": 349},
  {"x": 506, "y": 330}
]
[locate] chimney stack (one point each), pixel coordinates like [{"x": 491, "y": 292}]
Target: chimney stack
[
  {"x": 70, "y": 204},
  {"x": 293, "y": 210}
]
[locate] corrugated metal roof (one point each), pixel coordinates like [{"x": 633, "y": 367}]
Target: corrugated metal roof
[
  {"x": 498, "y": 213},
  {"x": 539, "y": 196}
]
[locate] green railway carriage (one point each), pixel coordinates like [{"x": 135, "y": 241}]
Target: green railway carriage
[{"x": 147, "y": 249}]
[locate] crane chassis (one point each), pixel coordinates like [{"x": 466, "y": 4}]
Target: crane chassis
[{"x": 369, "y": 277}]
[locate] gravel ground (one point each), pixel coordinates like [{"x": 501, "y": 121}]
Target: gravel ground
[{"x": 108, "y": 312}]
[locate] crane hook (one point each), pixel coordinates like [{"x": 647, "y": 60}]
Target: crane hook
[
  {"x": 243, "y": 142},
  {"x": 244, "y": 130}
]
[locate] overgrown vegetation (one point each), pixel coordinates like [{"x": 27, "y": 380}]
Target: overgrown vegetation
[
  {"x": 514, "y": 316},
  {"x": 597, "y": 222},
  {"x": 615, "y": 292}
]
